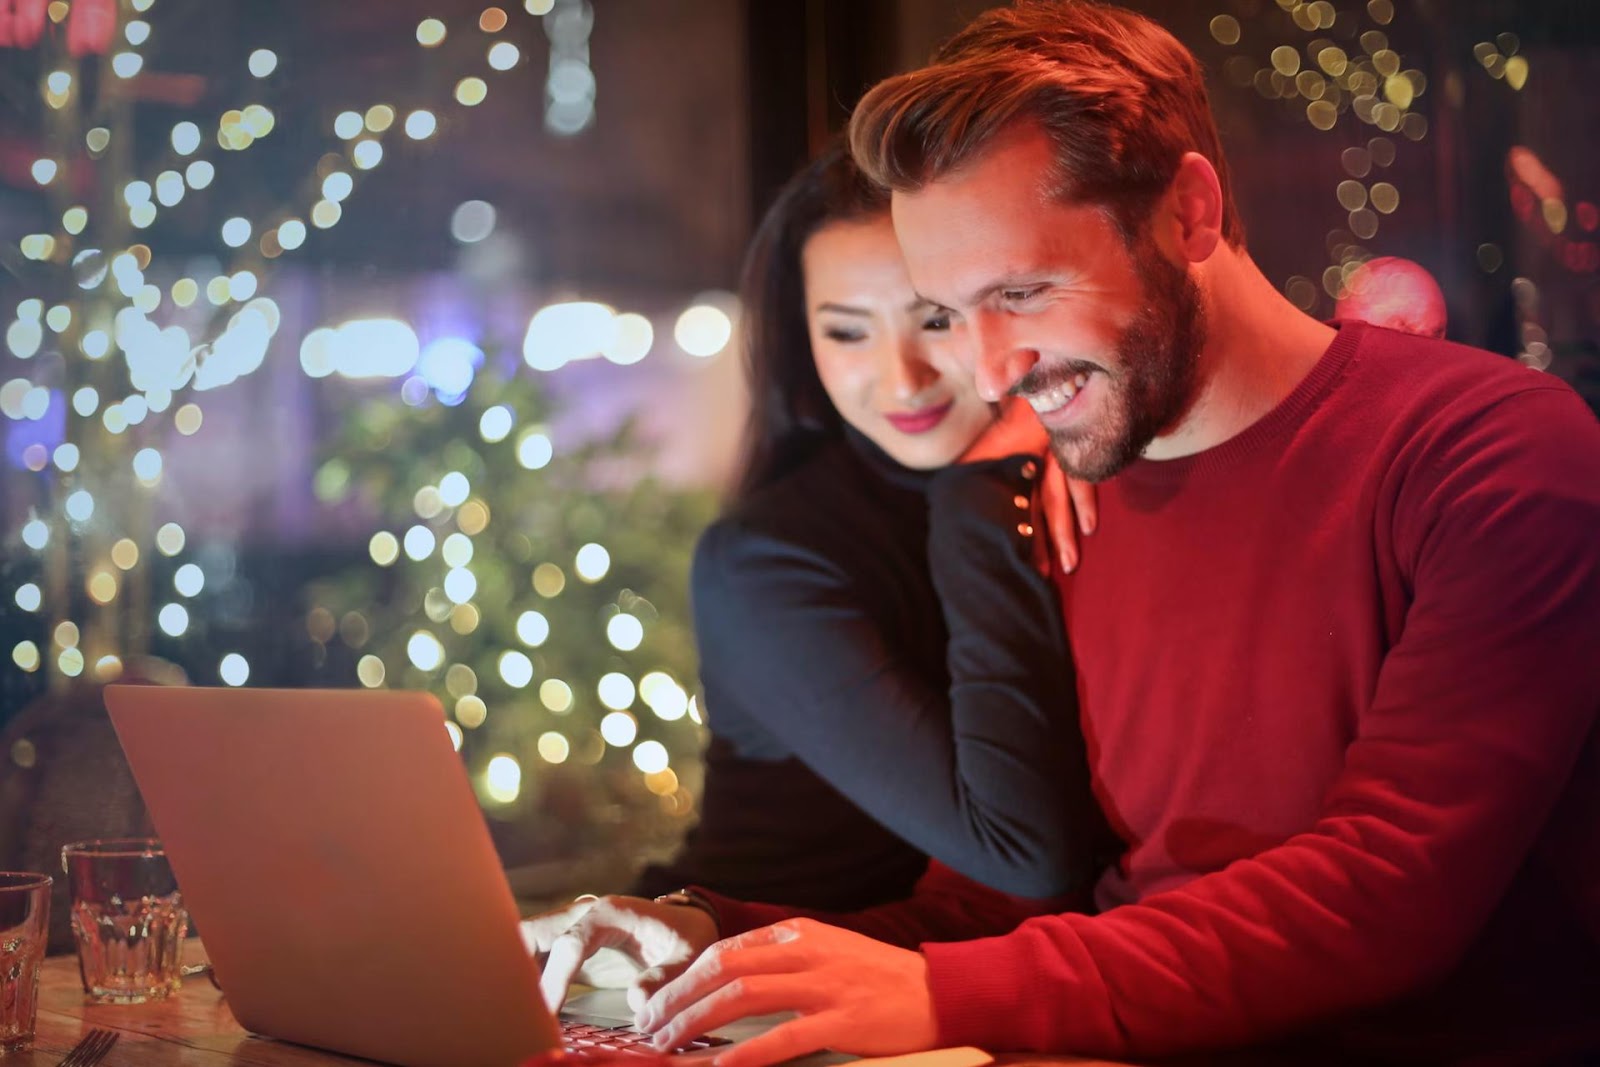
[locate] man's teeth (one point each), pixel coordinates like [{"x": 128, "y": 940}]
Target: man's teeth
[{"x": 1059, "y": 397}]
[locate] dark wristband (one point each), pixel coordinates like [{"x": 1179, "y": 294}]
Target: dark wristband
[{"x": 693, "y": 898}]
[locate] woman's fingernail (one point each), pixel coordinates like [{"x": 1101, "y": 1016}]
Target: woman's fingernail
[{"x": 1067, "y": 563}]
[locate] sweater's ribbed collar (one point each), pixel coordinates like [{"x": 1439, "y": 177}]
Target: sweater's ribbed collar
[{"x": 1266, "y": 433}]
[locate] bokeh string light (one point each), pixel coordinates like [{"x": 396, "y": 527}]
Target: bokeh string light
[
  {"x": 1335, "y": 86},
  {"x": 163, "y": 360},
  {"x": 569, "y": 99},
  {"x": 119, "y": 310}
]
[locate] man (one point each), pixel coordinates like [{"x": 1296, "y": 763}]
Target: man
[{"x": 1336, "y": 645}]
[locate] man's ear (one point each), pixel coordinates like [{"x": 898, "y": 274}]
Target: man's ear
[{"x": 1193, "y": 206}]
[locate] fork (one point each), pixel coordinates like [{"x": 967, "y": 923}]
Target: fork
[{"x": 92, "y": 1049}]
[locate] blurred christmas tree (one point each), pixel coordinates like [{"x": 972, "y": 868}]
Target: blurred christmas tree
[{"x": 542, "y": 594}]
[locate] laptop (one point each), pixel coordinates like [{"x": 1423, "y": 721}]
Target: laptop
[{"x": 329, "y": 846}]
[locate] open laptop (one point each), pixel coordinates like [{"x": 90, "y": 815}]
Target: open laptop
[{"x": 331, "y": 850}]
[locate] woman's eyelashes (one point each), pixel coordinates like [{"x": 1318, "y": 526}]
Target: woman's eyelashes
[
  {"x": 928, "y": 322},
  {"x": 844, "y": 335}
]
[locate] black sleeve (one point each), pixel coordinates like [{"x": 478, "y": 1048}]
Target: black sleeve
[{"x": 989, "y": 778}]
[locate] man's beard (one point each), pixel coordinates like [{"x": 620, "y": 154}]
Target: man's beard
[{"x": 1153, "y": 382}]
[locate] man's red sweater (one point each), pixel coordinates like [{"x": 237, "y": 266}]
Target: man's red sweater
[{"x": 1339, "y": 677}]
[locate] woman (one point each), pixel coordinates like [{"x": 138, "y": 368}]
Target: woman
[{"x": 884, "y": 670}]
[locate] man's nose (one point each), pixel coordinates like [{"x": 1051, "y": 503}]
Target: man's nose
[{"x": 1001, "y": 360}]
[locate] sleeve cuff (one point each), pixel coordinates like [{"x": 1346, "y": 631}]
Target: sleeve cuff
[
  {"x": 979, "y": 989},
  {"x": 1035, "y": 989},
  {"x": 737, "y": 916}
]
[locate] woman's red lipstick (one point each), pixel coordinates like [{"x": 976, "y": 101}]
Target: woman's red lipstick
[{"x": 915, "y": 422}]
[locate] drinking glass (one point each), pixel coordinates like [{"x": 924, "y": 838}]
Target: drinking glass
[
  {"x": 128, "y": 917},
  {"x": 24, "y": 928}
]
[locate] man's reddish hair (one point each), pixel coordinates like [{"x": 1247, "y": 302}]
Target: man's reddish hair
[{"x": 1120, "y": 98}]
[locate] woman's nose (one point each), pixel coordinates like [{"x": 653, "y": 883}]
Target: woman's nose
[{"x": 909, "y": 372}]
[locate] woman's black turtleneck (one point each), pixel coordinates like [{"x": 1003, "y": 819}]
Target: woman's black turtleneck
[{"x": 886, "y": 679}]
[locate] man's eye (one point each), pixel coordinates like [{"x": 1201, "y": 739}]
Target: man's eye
[
  {"x": 1018, "y": 296},
  {"x": 940, "y": 321}
]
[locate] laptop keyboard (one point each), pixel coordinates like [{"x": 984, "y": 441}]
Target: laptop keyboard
[{"x": 580, "y": 1035}]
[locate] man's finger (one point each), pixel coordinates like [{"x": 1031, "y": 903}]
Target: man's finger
[
  {"x": 776, "y": 934},
  {"x": 738, "y": 999},
  {"x": 786, "y": 1041},
  {"x": 716, "y": 967},
  {"x": 645, "y": 985}
]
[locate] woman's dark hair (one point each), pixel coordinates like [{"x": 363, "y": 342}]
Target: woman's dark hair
[{"x": 790, "y": 414}]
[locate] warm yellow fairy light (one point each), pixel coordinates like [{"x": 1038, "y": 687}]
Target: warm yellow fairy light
[
  {"x": 553, "y": 747},
  {"x": 125, "y": 554},
  {"x": 384, "y": 548},
  {"x": 370, "y": 671},
  {"x": 548, "y": 580},
  {"x": 555, "y": 695},
  {"x": 430, "y": 32},
  {"x": 460, "y": 680},
  {"x": 70, "y": 662},
  {"x": 188, "y": 419},
  {"x": 471, "y": 711},
  {"x": 102, "y": 587},
  {"x": 170, "y": 539},
  {"x": 325, "y": 214}
]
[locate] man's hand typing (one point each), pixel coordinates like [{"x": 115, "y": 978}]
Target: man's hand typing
[{"x": 852, "y": 994}]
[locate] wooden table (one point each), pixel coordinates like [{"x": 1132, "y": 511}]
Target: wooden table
[{"x": 194, "y": 1028}]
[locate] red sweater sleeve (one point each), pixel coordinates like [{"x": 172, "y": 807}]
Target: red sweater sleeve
[
  {"x": 944, "y": 904},
  {"x": 1481, "y": 710}
]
